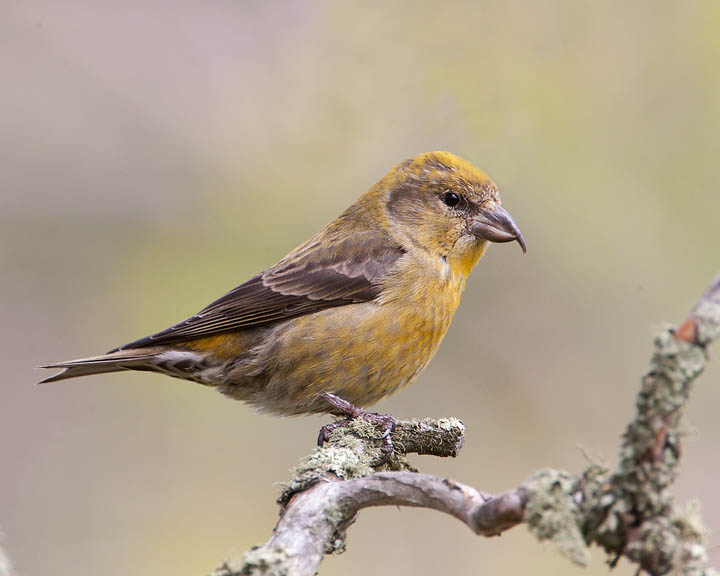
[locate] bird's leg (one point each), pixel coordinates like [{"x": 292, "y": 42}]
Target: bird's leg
[{"x": 385, "y": 422}]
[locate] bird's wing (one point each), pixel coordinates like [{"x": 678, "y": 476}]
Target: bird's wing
[{"x": 319, "y": 274}]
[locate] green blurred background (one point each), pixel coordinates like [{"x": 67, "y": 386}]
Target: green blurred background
[{"x": 155, "y": 154}]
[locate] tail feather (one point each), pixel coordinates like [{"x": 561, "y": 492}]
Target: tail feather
[{"x": 114, "y": 362}]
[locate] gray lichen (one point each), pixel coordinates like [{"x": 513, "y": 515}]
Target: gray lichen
[{"x": 709, "y": 311}]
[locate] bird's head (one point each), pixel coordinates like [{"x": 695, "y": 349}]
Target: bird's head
[{"x": 445, "y": 205}]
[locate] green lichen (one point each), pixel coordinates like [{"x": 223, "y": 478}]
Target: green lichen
[
  {"x": 265, "y": 561},
  {"x": 552, "y": 513},
  {"x": 349, "y": 453},
  {"x": 689, "y": 522},
  {"x": 422, "y": 436}
]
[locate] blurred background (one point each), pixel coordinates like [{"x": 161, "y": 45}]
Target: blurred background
[{"x": 155, "y": 154}]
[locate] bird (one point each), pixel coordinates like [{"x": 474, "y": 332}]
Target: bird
[{"x": 349, "y": 316}]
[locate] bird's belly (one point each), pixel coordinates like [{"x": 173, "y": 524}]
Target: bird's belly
[{"x": 360, "y": 352}]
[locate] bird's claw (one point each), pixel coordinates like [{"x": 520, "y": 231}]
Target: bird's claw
[
  {"x": 388, "y": 431},
  {"x": 385, "y": 422},
  {"x": 326, "y": 430}
]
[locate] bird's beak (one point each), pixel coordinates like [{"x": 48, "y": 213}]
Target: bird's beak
[{"x": 497, "y": 225}]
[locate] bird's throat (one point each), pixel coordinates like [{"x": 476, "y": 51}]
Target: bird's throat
[{"x": 465, "y": 254}]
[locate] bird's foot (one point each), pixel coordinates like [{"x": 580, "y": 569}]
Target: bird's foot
[
  {"x": 384, "y": 422},
  {"x": 326, "y": 430}
]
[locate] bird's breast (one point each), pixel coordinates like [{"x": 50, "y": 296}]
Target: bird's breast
[{"x": 364, "y": 352}]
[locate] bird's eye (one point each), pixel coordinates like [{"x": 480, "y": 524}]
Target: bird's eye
[{"x": 451, "y": 199}]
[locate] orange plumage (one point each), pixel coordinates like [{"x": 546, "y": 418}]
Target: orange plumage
[{"x": 358, "y": 310}]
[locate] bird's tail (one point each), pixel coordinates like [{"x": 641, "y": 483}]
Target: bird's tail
[{"x": 139, "y": 359}]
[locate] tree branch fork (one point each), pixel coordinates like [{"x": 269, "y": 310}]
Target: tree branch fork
[{"x": 628, "y": 511}]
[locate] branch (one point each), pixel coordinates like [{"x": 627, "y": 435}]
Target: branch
[
  {"x": 353, "y": 451},
  {"x": 315, "y": 523},
  {"x": 628, "y": 512}
]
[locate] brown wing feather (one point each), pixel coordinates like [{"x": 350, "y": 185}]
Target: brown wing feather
[{"x": 316, "y": 276}]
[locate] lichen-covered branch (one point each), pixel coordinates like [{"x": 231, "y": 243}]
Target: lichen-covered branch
[
  {"x": 639, "y": 521},
  {"x": 628, "y": 511},
  {"x": 314, "y": 523},
  {"x": 352, "y": 452}
]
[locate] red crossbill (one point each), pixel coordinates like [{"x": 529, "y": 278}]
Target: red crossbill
[{"x": 357, "y": 311}]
